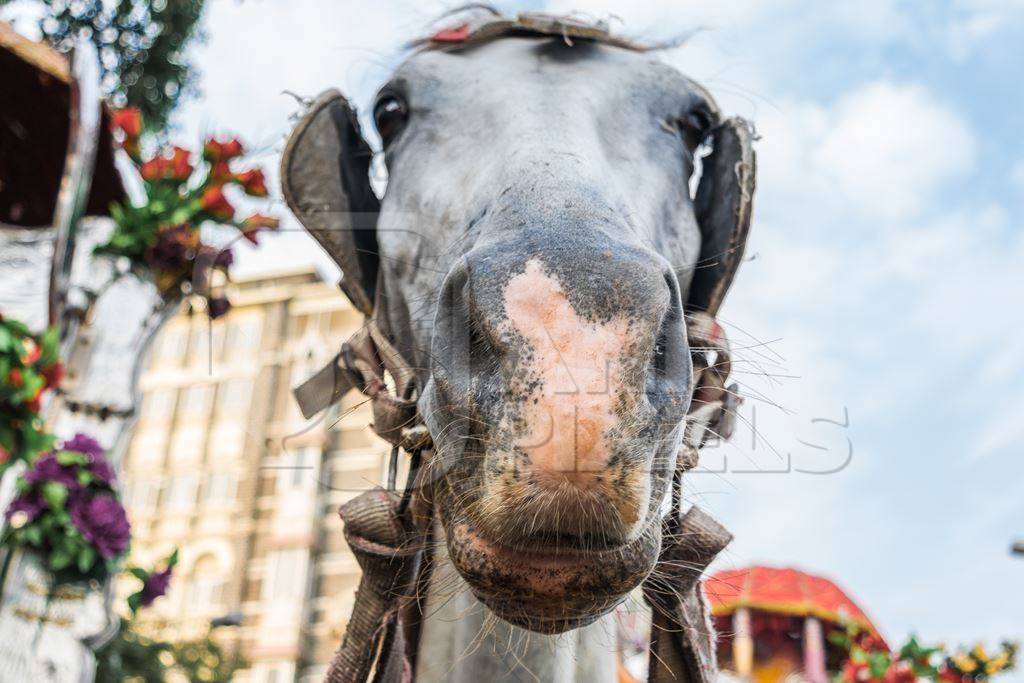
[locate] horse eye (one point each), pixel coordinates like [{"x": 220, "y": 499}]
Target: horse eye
[
  {"x": 389, "y": 115},
  {"x": 695, "y": 126}
]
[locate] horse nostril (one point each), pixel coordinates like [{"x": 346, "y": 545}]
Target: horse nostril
[
  {"x": 451, "y": 344},
  {"x": 670, "y": 356}
]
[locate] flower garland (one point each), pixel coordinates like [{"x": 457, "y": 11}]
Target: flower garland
[
  {"x": 29, "y": 366},
  {"x": 162, "y": 235},
  {"x": 67, "y": 509},
  {"x": 869, "y": 660}
]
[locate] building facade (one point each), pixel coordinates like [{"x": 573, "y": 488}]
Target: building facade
[{"x": 223, "y": 466}]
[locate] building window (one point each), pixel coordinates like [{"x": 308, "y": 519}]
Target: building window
[
  {"x": 298, "y": 469},
  {"x": 243, "y": 335},
  {"x": 171, "y": 346},
  {"x": 234, "y": 395},
  {"x": 141, "y": 495},
  {"x": 198, "y": 399},
  {"x": 219, "y": 489},
  {"x": 204, "y": 588},
  {"x": 285, "y": 577},
  {"x": 159, "y": 403},
  {"x": 181, "y": 493}
]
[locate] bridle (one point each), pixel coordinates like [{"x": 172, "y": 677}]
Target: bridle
[{"x": 388, "y": 529}]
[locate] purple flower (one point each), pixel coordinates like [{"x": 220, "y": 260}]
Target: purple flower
[
  {"x": 155, "y": 586},
  {"x": 224, "y": 259},
  {"x": 84, "y": 444},
  {"x": 218, "y": 306},
  {"x": 102, "y": 521},
  {"x": 46, "y": 468},
  {"x": 91, "y": 448},
  {"x": 30, "y": 502},
  {"x": 174, "y": 248},
  {"x": 102, "y": 470}
]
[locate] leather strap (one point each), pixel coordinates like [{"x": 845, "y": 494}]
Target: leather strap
[
  {"x": 370, "y": 363},
  {"x": 682, "y": 646},
  {"x": 390, "y": 553}
]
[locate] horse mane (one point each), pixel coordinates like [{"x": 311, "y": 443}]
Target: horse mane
[{"x": 476, "y": 15}]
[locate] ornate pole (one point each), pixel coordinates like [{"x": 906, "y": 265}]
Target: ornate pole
[
  {"x": 742, "y": 643},
  {"x": 814, "y": 651}
]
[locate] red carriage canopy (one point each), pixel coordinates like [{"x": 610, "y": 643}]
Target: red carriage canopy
[{"x": 783, "y": 591}]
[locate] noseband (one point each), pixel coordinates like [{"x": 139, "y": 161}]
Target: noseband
[{"x": 388, "y": 530}]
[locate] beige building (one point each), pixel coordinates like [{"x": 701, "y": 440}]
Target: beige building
[{"x": 223, "y": 466}]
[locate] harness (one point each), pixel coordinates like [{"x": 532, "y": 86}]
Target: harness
[{"x": 388, "y": 529}]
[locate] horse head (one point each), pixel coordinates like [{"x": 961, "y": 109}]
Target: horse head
[{"x": 540, "y": 244}]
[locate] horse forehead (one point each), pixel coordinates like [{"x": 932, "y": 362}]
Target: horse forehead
[{"x": 507, "y": 67}]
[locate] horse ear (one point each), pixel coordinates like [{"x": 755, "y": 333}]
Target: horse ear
[
  {"x": 723, "y": 205},
  {"x": 325, "y": 178}
]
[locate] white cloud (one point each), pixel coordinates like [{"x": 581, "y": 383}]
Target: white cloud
[
  {"x": 890, "y": 146},
  {"x": 974, "y": 23}
]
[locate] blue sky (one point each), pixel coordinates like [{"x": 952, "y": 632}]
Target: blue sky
[{"x": 883, "y": 284}]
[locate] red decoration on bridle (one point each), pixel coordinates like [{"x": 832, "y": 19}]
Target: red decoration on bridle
[{"x": 455, "y": 34}]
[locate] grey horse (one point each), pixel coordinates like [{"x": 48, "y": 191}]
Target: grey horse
[{"x": 535, "y": 257}]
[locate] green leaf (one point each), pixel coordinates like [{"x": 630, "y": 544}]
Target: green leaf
[
  {"x": 139, "y": 573},
  {"x": 878, "y": 664},
  {"x": 86, "y": 559},
  {"x": 32, "y": 383},
  {"x": 60, "y": 559},
  {"x": 33, "y": 534},
  {"x": 839, "y": 639},
  {"x": 71, "y": 458},
  {"x": 172, "y": 559},
  {"x": 48, "y": 345},
  {"x": 55, "y": 494}
]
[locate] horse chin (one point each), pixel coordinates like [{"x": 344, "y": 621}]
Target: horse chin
[{"x": 548, "y": 591}]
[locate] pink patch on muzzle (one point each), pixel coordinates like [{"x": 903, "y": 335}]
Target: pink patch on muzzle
[{"x": 578, "y": 362}]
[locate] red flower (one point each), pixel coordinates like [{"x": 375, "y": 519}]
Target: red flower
[
  {"x": 176, "y": 168},
  {"x": 53, "y": 374},
  {"x": 253, "y": 182},
  {"x": 35, "y": 404},
  {"x": 214, "y": 151},
  {"x": 216, "y": 204},
  {"x": 220, "y": 172},
  {"x": 852, "y": 671},
  {"x": 34, "y": 352},
  {"x": 4, "y": 455},
  {"x": 152, "y": 170},
  {"x": 15, "y": 379},
  {"x": 898, "y": 673},
  {"x": 128, "y": 121},
  {"x": 181, "y": 169}
]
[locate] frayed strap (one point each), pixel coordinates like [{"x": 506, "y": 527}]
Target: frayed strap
[
  {"x": 682, "y": 638},
  {"x": 389, "y": 553}
]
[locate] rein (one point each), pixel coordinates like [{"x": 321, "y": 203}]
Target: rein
[{"x": 387, "y": 530}]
